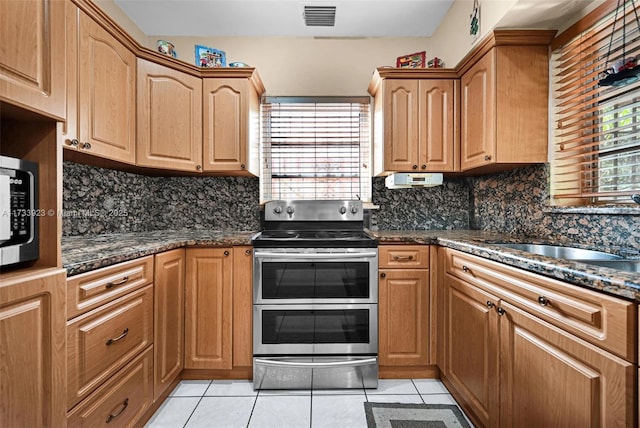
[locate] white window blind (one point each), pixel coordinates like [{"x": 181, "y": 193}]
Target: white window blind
[
  {"x": 315, "y": 148},
  {"x": 597, "y": 133}
]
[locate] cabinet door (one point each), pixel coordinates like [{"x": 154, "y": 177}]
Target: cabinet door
[
  {"x": 169, "y": 118},
  {"x": 436, "y": 125},
  {"x": 551, "y": 378},
  {"x": 168, "y": 318},
  {"x": 477, "y": 114},
  {"x": 242, "y": 306},
  {"x": 225, "y": 124},
  {"x": 401, "y": 146},
  {"x": 32, "y": 349},
  {"x": 208, "y": 309},
  {"x": 32, "y": 65},
  {"x": 107, "y": 94},
  {"x": 404, "y": 317},
  {"x": 471, "y": 348}
]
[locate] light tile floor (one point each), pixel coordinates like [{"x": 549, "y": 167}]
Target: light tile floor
[{"x": 234, "y": 403}]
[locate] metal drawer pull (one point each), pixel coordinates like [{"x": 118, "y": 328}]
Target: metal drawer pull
[
  {"x": 122, "y": 336},
  {"x": 113, "y": 284},
  {"x": 124, "y": 405},
  {"x": 402, "y": 258},
  {"x": 490, "y": 304},
  {"x": 351, "y": 363},
  {"x": 465, "y": 269},
  {"x": 501, "y": 311},
  {"x": 543, "y": 301}
]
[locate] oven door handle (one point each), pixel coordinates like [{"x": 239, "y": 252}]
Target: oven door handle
[
  {"x": 301, "y": 365},
  {"x": 315, "y": 255}
]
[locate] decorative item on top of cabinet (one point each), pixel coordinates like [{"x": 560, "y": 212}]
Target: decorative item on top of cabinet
[
  {"x": 404, "y": 316},
  {"x": 32, "y": 61},
  {"x": 231, "y": 129},
  {"x": 504, "y": 100},
  {"x": 101, "y": 92},
  {"x": 32, "y": 342},
  {"x": 495, "y": 322},
  {"x": 169, "y": 118},
  {"x": 415, "y": 126},
  {"x": 168, "y": 319}
]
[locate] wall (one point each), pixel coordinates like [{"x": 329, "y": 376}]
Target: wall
[
  {"x": 98, "y": 201},
  {"x": 517, "y": 202}
]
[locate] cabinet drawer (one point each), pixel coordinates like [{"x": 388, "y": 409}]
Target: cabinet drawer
[
  {"x": 605, "y": 321},
  {"x": 90, "y": 290},
  {"x": 100, "y": 342},
  {"x": 403, "y": 256},
  {"x": 122, "y": 400}
]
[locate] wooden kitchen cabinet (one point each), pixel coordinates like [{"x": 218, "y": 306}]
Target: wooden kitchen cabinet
[
  {"x": 520, "y": 349},
  {"x": 101, "y": 91},
  {"x": 415, "y": 126},
  {"x": 243, "y": 306},
  {"x": 470, "y": 342},
  {"x": 231, "y": 129},
  {"x": 32, "y": 344},
  {"x": 32, "y": 61},
  {"x": 169, "y": 118},
  {"x": 208, "y": 309},
  {"x": 168, "y": 318},
  {"x": 403, "y": 310},
  {"x": 504, "y": 101}
]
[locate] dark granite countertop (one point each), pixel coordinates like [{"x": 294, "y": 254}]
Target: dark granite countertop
[
  {"x": 612, "y": 281},
  {"x": 82, "y": 254}
]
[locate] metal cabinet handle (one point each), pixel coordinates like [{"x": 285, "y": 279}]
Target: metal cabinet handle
[
  {"x": 198, "y": 167},
  {"x": 383, "y": 275},
  {"x": 247, "y": 252},
  {"x": 242, "y": 166},
  {"x": 400, "y": 258},
  {"x": 487, "y": 157},
  {"x": 73, "y": 142},
  {"x": 114, "y": 283},
  {"x": 349, "y": 363},
  {"x": 423, "y": 166},
  {"x": 490, "y": 304},
  {"x": 86, "y": 146},
  {"x": 115, "y": 339},
  {"x": 465, "y": 269},
  {"x": 543, "y": 301},
  {"x": 501, "y": 311},
  {"x": 112, "y": 416},
  {"x": 414, "y": 167},
  {"x": 226, "y": 253}
]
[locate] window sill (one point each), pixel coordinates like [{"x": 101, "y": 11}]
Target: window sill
[{"x": 597, "y": 210}]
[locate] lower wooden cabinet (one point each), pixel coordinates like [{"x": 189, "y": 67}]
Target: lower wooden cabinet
[
  {"x": 508, "y": 366},
  {"x": 122, "y": 400},
  {"x": 32, "y": 348},
  {"x": 404, "y": 311},
  {"x": 168, "y": 318},
  {"x": 242, "y": 306},
  {"x": 208, "y": 309}
]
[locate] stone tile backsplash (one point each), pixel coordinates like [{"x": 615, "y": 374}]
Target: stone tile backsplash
[{"x": 98, "y": 200}]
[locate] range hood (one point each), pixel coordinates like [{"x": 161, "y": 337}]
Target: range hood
[{"x": 406, "y": 180}]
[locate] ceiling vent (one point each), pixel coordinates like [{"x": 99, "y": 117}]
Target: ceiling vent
[{"x": 319, "y": 16}]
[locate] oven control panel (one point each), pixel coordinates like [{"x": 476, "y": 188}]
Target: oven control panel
[{"x": 319, "y": 210}]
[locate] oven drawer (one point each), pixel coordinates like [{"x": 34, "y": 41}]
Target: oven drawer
[
  {"x": 338, "y": 329},
  {"x": 315, "y": 372}
]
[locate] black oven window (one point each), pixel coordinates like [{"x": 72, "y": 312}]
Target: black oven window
[
  {"x": 306, "y": 280},
  {"x": 315, "y": 326}
]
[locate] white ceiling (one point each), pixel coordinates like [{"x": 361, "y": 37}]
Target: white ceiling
[
  {"x": 221, "y": 18},
  {"x": 354, "y": 18}
]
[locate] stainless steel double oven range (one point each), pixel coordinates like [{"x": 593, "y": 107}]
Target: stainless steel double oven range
[{"x": 315, "y": 297}]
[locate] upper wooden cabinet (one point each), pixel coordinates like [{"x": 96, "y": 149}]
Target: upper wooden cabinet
[
  {"x": 231, "y": 126},
  {"x": 415, "y": 124},
  {"x": 504, "y": 101},
  {"x": 101, "y": 87},
  {"x": 32, "y": 58},
  {"x": 169, "y": 118}
]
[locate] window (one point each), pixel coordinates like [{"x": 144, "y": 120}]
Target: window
[
  {"x": 597, "y": 133},
  {"x": 315, "y": 148}
]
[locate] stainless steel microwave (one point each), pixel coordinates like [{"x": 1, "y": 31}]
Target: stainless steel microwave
[{"x": 18, "y": 211}]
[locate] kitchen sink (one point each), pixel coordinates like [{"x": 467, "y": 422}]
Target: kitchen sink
[
  {"x": 568, "y": 253},
  {"x": 626, "y": 265}
]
